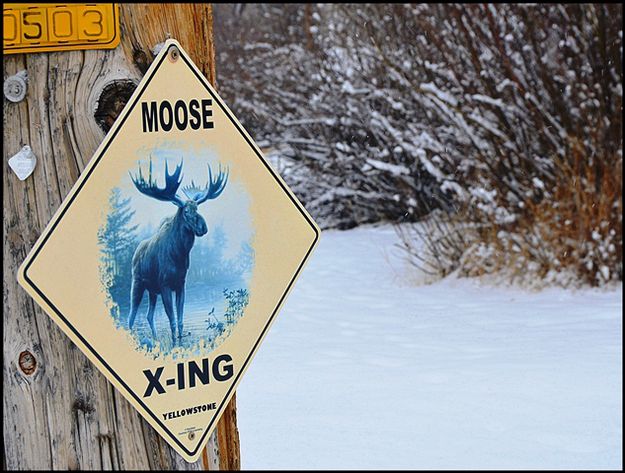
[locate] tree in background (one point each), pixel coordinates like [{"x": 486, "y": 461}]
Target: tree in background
[
  {"x": 118, "y": 240},
  {"x": 497, "y": 127},
  {"x": 209, "y": 265}
]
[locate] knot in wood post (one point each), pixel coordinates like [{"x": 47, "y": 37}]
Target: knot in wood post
[
  {"x": 112, "y": 101},
  {"x": 27, "y": 362}
]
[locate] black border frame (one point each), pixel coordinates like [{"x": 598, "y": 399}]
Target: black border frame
[{"x": 298, "y": 205}]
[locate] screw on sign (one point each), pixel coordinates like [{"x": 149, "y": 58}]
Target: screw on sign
[
  {"x": 173, "y": 54},
  {"x": 172, "y": 254}
]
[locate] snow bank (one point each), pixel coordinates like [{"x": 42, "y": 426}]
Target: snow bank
[{"x": 361, "y": 370}]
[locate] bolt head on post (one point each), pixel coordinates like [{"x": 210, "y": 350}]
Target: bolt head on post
[{"x": 15, "y": 87}]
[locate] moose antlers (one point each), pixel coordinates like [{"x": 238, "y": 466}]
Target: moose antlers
[
  {"x": 212, "y": 190},
  {"x": 150, "y": 188}
]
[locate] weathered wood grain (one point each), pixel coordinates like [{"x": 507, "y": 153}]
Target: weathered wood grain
[
  {"x": 228, "y": 439},
  {"x": 59, "y": 411}
]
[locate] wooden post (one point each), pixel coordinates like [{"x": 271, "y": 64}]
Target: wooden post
[{"x": 59, "y": 411}]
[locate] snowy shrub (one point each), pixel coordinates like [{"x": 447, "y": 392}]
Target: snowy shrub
[
  {"x": 500, "y": 123},
  {"x": 533, "y": 95},
  {"x": 347, "y": 142}
]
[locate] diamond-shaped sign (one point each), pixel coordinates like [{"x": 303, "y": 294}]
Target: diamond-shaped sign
[{"x": 170, "y": 257}]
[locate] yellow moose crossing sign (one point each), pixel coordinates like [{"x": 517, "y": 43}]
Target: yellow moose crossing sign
[{"x": 170, "y": 257}]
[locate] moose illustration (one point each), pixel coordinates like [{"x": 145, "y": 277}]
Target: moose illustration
[{"x": 160, "y": 263}]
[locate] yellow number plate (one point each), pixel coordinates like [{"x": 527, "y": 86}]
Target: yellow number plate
[{"x": 39, "y": 27}]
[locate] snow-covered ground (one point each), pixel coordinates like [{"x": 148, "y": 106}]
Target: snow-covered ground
[{"x": 362, "y": 370}]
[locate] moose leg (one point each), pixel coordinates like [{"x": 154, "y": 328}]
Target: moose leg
[
  {"x": 180, "y": 309},
  {"x": 167, "y": 298},
  {"x": 151, "y": 313},
  {"x": 136, "y": 294}
]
